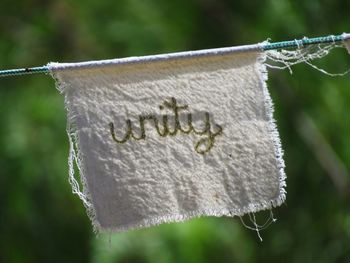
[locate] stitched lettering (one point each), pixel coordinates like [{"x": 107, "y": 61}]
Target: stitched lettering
[{"x": 204, "y": 145}]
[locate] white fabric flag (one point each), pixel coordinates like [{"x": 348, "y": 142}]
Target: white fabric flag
[{"x": 172, "y": 137}]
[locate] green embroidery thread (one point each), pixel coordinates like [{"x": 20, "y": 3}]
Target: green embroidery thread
[{"x": 203, "y": 146}]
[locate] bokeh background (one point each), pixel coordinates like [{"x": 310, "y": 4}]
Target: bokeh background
[{"x": 42, "y": 221}]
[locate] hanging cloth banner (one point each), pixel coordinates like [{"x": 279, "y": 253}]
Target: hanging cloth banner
[{"x": 172, "y": 137}]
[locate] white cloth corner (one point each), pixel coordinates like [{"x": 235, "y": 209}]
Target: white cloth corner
[{"x": 347, "y": 45}]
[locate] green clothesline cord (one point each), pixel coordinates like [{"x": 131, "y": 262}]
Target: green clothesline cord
[{"x": 268, "y": 46}]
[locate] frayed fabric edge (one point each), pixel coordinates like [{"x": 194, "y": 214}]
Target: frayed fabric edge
[
  {"x": 177, "y": 218},
  {"x": 273, "y": 131},
  {"x": 76, "y": 158}
]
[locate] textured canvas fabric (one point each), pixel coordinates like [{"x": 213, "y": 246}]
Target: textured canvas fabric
[{"x": 172, "y": 139}]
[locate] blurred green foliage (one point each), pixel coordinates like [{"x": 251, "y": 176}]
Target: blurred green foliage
[{"x": 41, "y": 221}]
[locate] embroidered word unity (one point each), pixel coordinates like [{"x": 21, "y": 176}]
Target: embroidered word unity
[{"x": 164, "y": 129}]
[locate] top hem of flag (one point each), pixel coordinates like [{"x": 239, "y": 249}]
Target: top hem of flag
[{"x": 55, "y": 66}]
